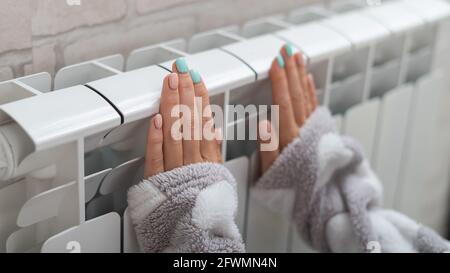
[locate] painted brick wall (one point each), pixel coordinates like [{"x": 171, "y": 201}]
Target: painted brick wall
[{"x": 45, "y": 35}]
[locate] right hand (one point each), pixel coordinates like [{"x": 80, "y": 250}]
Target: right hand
[{"x": 293, "y": 89}]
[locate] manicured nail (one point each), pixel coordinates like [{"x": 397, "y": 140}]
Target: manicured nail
[
  {"x": 157, "y": 121},
  {"x": 195, "y": 76},
  {"x": 288, "y": 49},
  {"x": 181, "y": 65},
  {"x": 173, "y": 81},
  {"x": 280, "y": 61}
]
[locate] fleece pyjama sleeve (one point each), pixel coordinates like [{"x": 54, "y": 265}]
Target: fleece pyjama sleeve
[
  {"x": 188, "y": 209},
  {"x": 324, "y": 183},
  {"x": 321, "y": 180}
]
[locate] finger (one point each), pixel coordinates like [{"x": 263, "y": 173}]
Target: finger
[
  {"x": 218, "y": 144},
  {"x": 294, "y": 83},
  {"x": 301, "y": 68},
  {"x": 303, "y": 75},
  {"x": 191, "y": 127},
  {"x": 312, "y": 95},
  {"x": 265, "y": 137},
  {"x": 172, "y": 145},
  {"x": 208, "y": 145},
  {"x": 280, "y": 96},
  {"x": 154, "y": 157}
]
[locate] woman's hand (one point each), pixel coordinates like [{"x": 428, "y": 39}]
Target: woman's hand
[
  {"x": 294, "y": 91},
  {"x": 166, "y": 149}
]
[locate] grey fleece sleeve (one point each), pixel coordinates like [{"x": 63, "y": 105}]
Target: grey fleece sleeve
[
  {"x": 188, "y": 209},
  {"x": 323, "y": 181}
]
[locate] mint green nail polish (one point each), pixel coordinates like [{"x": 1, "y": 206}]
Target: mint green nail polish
[
  {"x": 289, "y": 50},
  {"x": 181, "y": 65},
  {"x": 195, "y": 76},
  {"x": 280, "y": 61}
]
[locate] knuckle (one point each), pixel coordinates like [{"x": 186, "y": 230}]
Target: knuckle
[
  {"x": 156, "y": 161},
  {"x": 200, "y": 90},
  {"x": 284, "y": 101},
  {"x": 155, "y": 138},
  {"x": 176, "y": 143},
  {"x": 277, "y": 76},
  {"x": 291, "y": 66},
  {"x": 209, "y": 157},
  {"x": 185, "y": 82},
  {"x": 207, "y": 121},
  {"x": 170, "y": 100}
]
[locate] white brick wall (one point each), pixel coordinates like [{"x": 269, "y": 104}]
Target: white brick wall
[
  {"x": 15, "y": 25},
  {"x": 5, "y": 73},
  {"x": 51, "y": 17},
  {"x": 45, "y": 35},
  {"x": 146, "y": 6}
]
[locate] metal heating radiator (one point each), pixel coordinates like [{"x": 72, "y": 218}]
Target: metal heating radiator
[{"x": 69, "y": 153}]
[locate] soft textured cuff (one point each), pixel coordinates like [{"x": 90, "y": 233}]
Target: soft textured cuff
[
  {"x": 298, "y": 163},
  {"x": 171, "y": 211},
  {"x": 146, "y": 196}
]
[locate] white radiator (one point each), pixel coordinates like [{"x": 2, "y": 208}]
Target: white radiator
[{"x": 69, "y": 155}]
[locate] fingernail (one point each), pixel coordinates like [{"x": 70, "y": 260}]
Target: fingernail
[
  {"x": 288, "y": 49},
  {"x": 181, "y": 65},
  {"x": 173, "y": 81},
  {"x": 280, "y": 61},
  {"x": 195, "y": 76},
  {"x": 158, "y": 121}
]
